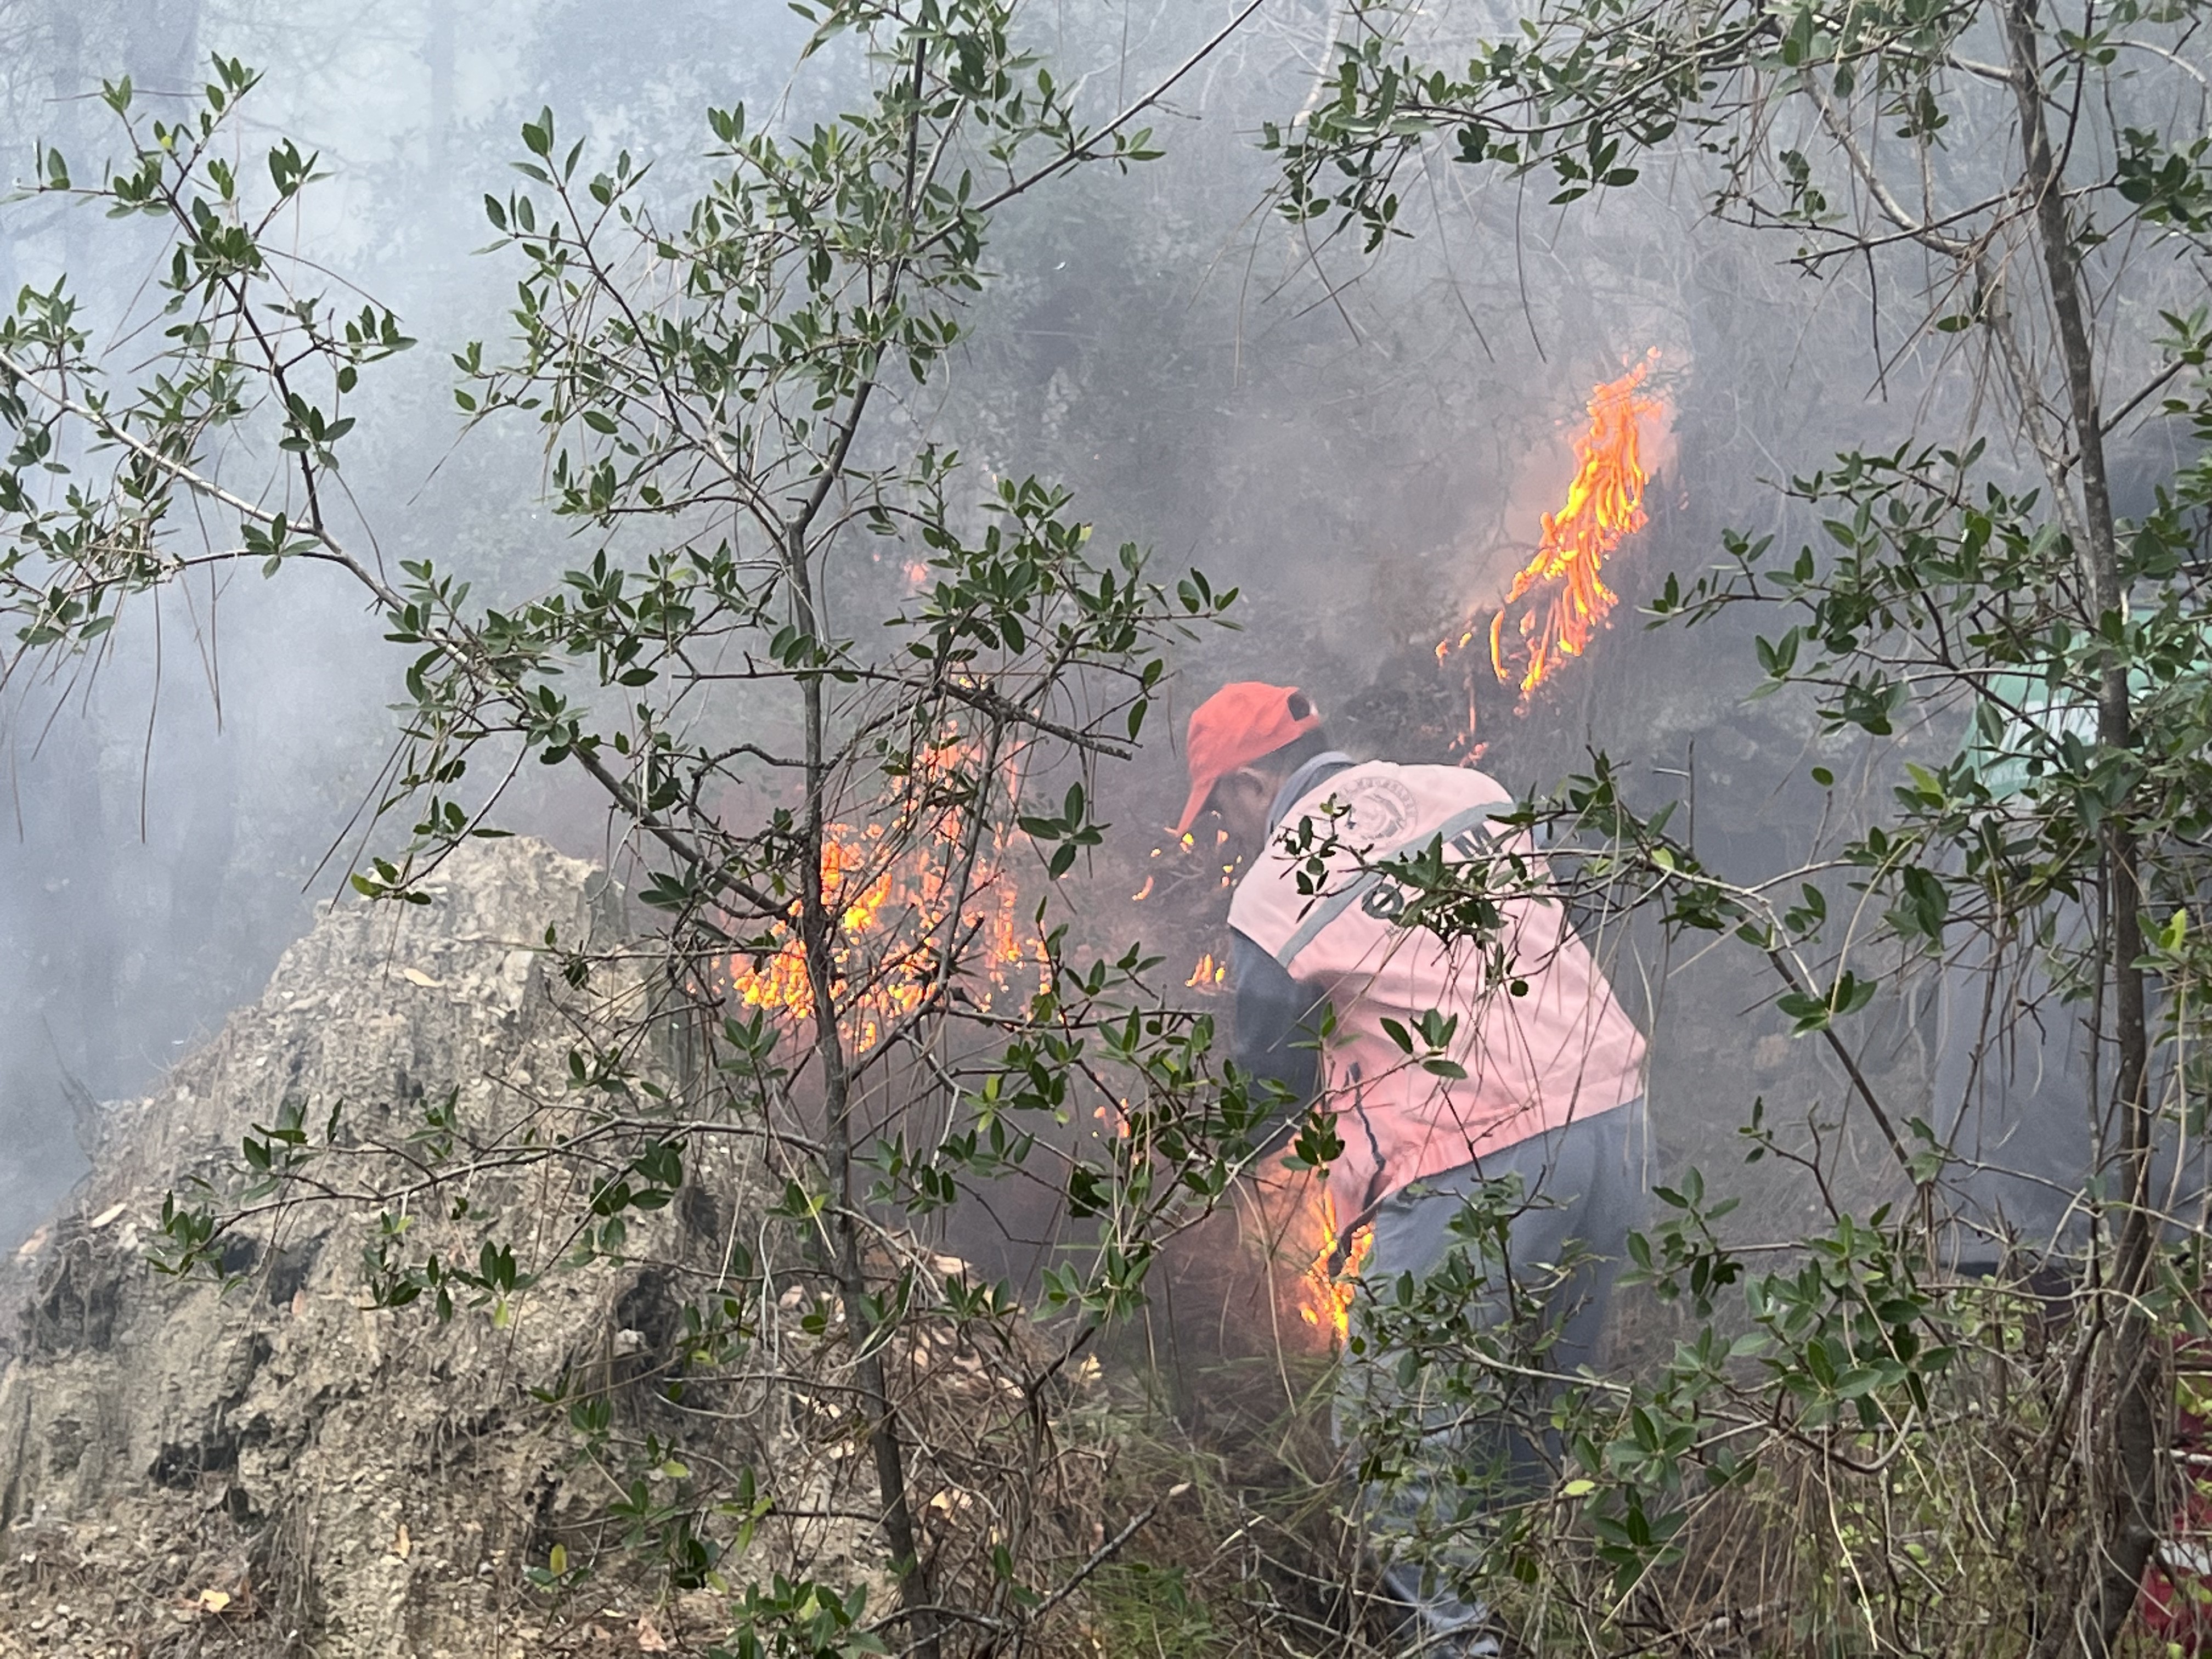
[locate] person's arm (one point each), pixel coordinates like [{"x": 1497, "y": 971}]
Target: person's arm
[{"x": 1275, "y": 1020}]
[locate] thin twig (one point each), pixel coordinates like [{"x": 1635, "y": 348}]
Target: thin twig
[{"x": 1107, "y": 1551}]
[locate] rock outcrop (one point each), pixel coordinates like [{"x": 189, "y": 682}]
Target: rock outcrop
[
  {"x": 260, "y": 1459},
  {"x": 270, "y": 1465}
]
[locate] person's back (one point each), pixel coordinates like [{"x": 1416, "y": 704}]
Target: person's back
[{"x": 1560, "y": 1049}]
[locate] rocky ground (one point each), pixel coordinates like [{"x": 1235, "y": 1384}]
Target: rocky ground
[
  {"x": 269, "y": 1463},
  {"x": 256, "y": 1460}
]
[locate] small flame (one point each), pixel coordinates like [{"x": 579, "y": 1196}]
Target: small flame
[
  {"x": 1604, "y": 507},
  {"x": 1328, "y": 1284},
  {"x": 1208, "y": 973}
]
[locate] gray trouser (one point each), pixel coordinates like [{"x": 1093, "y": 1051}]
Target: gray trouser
[{"x": 1584, "y": 1190}]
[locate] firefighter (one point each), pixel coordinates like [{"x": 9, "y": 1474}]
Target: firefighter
[{"x": 1553, "y": 1084}]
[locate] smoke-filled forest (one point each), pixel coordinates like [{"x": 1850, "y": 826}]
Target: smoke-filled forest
[{"x": 1089, "y": 827}]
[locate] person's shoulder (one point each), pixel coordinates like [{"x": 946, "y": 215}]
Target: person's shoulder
[
  {"x": 1378, "y": 804},
  {"x": 1449, "y": 788},
  {"x": 1451, "y": 779}
]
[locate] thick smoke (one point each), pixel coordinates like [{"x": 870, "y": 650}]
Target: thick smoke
[
  {"x": 1362, "y": 445},
  {"x": 175, "y": 806}
]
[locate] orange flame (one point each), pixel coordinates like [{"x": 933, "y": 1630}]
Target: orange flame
[
  {"x": 892, "y": 912},
  {"x": 1209, "y": 974},
  {"x": 1328, "y": 1284},
  {"x": 1604, "y": 507}
]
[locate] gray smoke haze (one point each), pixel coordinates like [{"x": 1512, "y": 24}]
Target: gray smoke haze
[
  {"x": 167, "y": 807},
  {"x": 1365, "y": 458}
]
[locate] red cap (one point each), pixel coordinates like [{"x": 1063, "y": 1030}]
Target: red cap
[{"x": 1236, "y": 725}]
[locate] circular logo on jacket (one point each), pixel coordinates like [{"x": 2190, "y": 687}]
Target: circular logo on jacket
[{"x": 1378, "y": 808}]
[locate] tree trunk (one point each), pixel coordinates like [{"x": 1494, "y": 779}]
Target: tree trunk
[
  {"x": 2127, "y": 1438},
  {"x": 818, "y": 928}
]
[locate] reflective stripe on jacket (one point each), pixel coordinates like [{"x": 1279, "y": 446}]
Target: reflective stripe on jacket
[{"x": 1563, "y": 1049}]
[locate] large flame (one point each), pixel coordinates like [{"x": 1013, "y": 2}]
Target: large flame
[
  {"x": 894, "y": 910},
  {"x": 1604, "y": 507}
]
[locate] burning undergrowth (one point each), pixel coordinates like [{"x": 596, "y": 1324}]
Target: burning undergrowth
[
  {"x": 235, "y": 1467},
  {"x": 898, "y": 891}
]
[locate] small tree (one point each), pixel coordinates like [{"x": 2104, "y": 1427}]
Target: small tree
[
  {"x": 819, "y": 688},
  {"x": 2034, "y": 192}
]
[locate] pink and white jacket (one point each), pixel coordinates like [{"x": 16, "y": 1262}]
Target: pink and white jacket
[{"x": 1562, "y": 1050}]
